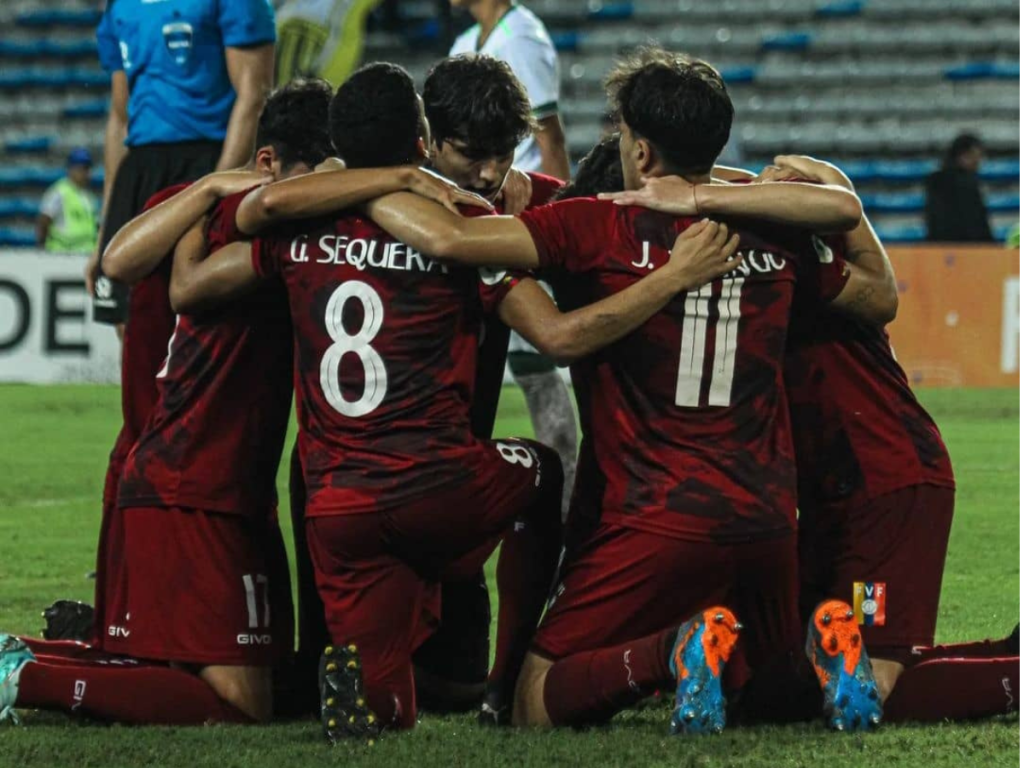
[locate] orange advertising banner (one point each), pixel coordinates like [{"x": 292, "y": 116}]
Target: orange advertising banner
[{"x": 959, "y": 316}]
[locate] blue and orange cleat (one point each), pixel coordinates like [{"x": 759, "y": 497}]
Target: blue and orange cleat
[
  {"x": 703, "y": 646},
  {"x": 840, "y": 660}
]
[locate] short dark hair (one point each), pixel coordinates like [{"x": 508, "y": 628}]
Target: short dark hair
[
  {"x": 680, "y": 105},
  {"x": 376, "y": 117},
  {"x": 599, "y": 171},
  {"x": 963, "y": 143},
  {"x": 477, "y": 100},
  {"x": 294, "y": 122}
]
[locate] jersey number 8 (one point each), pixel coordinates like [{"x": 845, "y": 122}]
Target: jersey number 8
[{"x": 375, "y": 374}]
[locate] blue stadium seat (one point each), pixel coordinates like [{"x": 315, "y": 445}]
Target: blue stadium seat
[
  {"x": 17, "y": 206},
  {"x": 840, "y": 9},
  {"x": 980, "y": 70},
  {"x": 1000, "y": 170},
  {"x": 894, "y": 202},
  {"x": 18, "y": 237},
  {"x": 59, "y": 18},
  {"x": 1007, "y": 201},
  {"x": 1001, "y": 232},
  {"x": 56, "y": 49},
  {"x": 859, "y": 170},
  {"x": 87, "y": 109},
  {"x": 787, "y": 41},
  {"x": 904, "y": 233},
  {"x": 733, "y": 75},
  {"x": 17, "y": 79},
  {"x": 30, "y": 145},
  {"x": 904, "y": 170},
  {"x": 38, "y": 176},
  {"x": 566, "y": 41},
  {"x": 615, "y": 11}
]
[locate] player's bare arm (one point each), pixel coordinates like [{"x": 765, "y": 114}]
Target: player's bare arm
[
  {"x": 822, "y": 208},
  {"x": 702, "y": 253},
  {"x": 871, "y": 292},
  {"x": 114, "y": 151},
  {"x": 318, "y": 194},
  {"x": 483, "y": 241},
  {"x": 141, "y": 244},
  {"x": 550, "y": 136},
  {"x": 251, "y": 71},
  {"x": 199, "y": 283}
]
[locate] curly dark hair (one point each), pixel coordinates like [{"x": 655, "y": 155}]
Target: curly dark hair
[
  {"x": 376, "y": 117},
  {"x": 599, "y": 171},
  {"x": 680, "y": 105},
  {"x": 477, "y": 100},
  {"x": 294, "y": 122}
]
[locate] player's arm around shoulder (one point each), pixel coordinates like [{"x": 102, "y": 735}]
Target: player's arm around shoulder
[
  {"x": 482, "y": 241},
  {"x": 870, "y": 292},
  {"x": 199, "y": 284},
  {"x": 703, "y": 252}
]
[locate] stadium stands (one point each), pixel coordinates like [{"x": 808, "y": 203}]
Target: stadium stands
[{"x": 849, "y": 80}]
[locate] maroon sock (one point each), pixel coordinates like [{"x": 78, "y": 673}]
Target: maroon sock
[
  {"x": 526, "y": 573},
  {"x": 590, "y": 687},
  {"x": 68, "y": 649},
  {"x": 979, "y": 649},
  {"x": 148, "y": 695},
  {"x": 955, "y": 689}
]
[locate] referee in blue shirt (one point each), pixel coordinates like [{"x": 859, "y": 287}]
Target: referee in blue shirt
[{"x": 187, "y": 79}]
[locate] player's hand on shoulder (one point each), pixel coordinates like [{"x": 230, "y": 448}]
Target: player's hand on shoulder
[
  {"x": 703, "y": 252},
  {"x": 516, "y": 192},
  {"x": 669, "y": 194},
  {"x": 812, "y": 169},
  {"x": 331, "y": 164},
  {"x": 439, "y": 189},
  {"x": 227, "y": 183},
  {"x": 92, "y": 271}
]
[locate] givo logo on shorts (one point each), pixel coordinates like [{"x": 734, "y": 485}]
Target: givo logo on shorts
[{"x": 869, "y": 603}]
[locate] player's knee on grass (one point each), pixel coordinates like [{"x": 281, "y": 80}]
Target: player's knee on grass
[
  {"x": 529, "y": 710},
  {"x": 248, "y": 689},
  {"x": 886, "y": 673}
]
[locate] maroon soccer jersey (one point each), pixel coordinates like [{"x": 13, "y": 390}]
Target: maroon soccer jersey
[
  {"x": 386, "y": 345},
  {"x": 858, "y": 430},
  {"x": 214, "y": 439},
  {"x": 150, "y": 324},
  {"x": 490, "y": 374},
  {"x": 685, "y": 419}
]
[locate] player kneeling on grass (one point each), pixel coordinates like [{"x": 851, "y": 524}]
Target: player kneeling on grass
[
  {"x": 198, "y": 606},
  {"x": 686, "y": 461},
  {"x": 401, "y": 494}
]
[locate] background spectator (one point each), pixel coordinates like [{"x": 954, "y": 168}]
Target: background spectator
[
  {"x": 197, "y": 74},
  {"x": 510, "y": 32},
  {"x": 67, "y": 213},
  {"x": 954, "y": 208}
]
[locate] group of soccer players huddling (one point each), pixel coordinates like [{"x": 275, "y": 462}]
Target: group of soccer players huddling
[{"x": 725, "y": 337}]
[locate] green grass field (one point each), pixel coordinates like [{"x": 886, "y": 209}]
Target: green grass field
[{"x": 52, "y": 461}]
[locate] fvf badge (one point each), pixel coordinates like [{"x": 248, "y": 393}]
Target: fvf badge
[{"x": 869, "y": 603}]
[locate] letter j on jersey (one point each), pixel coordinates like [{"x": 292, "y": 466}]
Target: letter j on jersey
[{"x": 869, "y": 602}]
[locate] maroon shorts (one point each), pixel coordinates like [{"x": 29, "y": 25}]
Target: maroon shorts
[
  {"x": 885, "y": 557},
  {"x": 379, "y": 573},
  {"x": 623, "y": 584},
  {"x": 197, "y": 588}
]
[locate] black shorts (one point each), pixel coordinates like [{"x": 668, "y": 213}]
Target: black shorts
[{"x": 144, "y": 171}]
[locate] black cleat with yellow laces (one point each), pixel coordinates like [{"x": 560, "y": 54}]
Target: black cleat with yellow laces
[{"x": 344, "y": 712}]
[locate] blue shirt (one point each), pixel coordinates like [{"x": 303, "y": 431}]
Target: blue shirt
[{"x": 172, "y": 52}]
